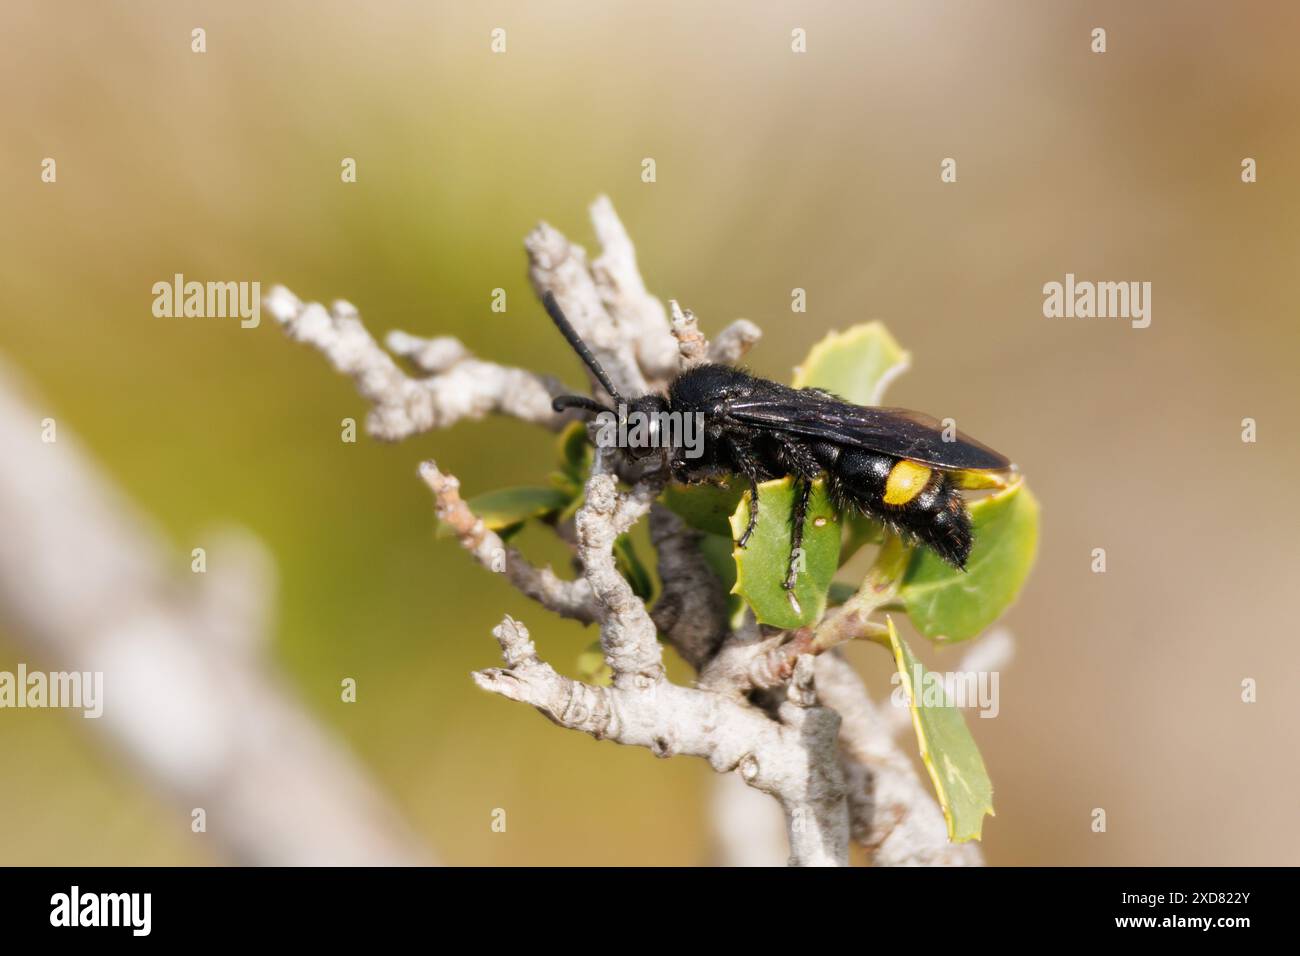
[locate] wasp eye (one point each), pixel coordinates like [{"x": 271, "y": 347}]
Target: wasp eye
[{"x": 647, "y": 441}]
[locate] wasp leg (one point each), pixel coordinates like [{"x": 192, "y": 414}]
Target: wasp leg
[
  {"x": 802, "y": 463},
  {"x": 747, "y": 465},
  {"x": 797, "y": 516},
  {"x": 753, "y": 514}
]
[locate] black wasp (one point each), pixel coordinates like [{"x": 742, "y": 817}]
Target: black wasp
[{"x": 892, "y": 464}]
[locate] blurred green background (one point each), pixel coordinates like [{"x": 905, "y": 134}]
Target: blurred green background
[{"x": 775, "y": 171}]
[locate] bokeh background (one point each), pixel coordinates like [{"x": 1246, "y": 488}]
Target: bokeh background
[{"x": 775, "y": 171}]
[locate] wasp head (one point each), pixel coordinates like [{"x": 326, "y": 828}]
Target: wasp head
[{"x": 647, "y": 426}]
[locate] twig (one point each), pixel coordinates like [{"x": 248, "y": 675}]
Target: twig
[
  {"x": 627, "y": 634},
  {"x": 792, "y": 758},
  {"x": 190, "y": 696},
  {"x": 892, "y": 812},
  {"x": 572, "y": 599},
  {"x": 560, "y": 267},
  {"x": 463, "y": 387},
  {"x": 691, "y": 343},
  {"x": 731, "y": 344},
  {"x": 635, "y": 312},
  {"x": 691, "y": 611}
]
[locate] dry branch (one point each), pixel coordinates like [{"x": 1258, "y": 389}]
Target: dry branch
[
  {"x": 793, "y": 758},
  {"x": 191, "y": 699},
  {"x": 572, "y": 599},
  {"x": 460, "y": 386}
]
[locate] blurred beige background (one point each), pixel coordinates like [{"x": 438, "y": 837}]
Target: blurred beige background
[{"x": 775, "y": 170}]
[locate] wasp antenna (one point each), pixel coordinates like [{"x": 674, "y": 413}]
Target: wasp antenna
[
  {"x": 571, "y": 336},
  {"x": 562, "y": 402}
]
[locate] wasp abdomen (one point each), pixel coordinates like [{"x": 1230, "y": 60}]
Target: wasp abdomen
[{"x": 913, "y": 499}]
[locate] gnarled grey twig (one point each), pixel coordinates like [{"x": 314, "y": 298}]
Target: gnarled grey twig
[
  {"x": 189, "y": 693},
  {"x": 572, "y": 599},
  {"x": 401, "y": 406},
  {"x": 792, "y": 758}
]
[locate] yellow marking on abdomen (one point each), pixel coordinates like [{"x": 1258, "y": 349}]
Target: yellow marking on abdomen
[{"x": 905, "y": 481}]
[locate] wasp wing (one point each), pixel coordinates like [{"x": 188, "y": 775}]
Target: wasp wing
[{"x": 899, "y": 432}]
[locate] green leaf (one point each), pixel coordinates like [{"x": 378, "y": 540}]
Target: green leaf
[
  {"x": 950, "y": 605},
  {"x": 507, "y": 508},
  {"x": 856, "y": 364},
  {"x": 629, "y": 565},
  {"x": 947, "y": 748},
  {"x": 761, "y": 566},
  {"x": 574, "y": 452},
  {"x": 705, "y": 507}
]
